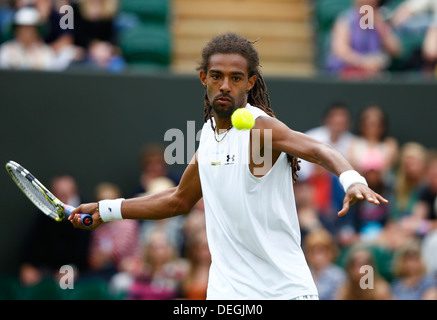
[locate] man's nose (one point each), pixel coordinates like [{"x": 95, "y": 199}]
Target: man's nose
[{"x": 225, "y": 87}]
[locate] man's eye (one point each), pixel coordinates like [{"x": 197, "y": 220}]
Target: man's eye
[
  {"x": 236, "y": 79},
  {"x": 215, "y": 76}
]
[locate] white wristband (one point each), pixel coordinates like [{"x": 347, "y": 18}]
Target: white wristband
[
  {"x": 350, "y": 177},
  {"x": 110, "y": 209}
]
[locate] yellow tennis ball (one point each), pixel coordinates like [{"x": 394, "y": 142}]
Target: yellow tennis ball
[{"x": 242, "y": 119}]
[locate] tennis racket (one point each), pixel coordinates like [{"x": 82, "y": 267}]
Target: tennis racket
[{"x": 41, "y": 197}]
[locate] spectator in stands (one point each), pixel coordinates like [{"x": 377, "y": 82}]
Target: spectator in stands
[
  {"x": 409, "y": 180},
  {"x": 410, "y": 8},
  {"x": 115, "y": 242},
  {"x": 311, "y": 218},
  {"x": 400, "y": 228},
  {"x": 309, "y": 215},
  {"x": 51, "y": 244},
  {"x": 362, "y": 51},
  {"x": 424, "y": 217},
  {"x": 430, "y": 45},
  {"x": 195, "y": 283},
  {"x": 195, "y": 219},
  {"x": 95, "y": 32},
  {"x": 408, "y": 183},
  {"x": 321, "y": 252},
  {"x": 193, "y": 222},
  {"x": 429, "y": 249},
  {"x": 27, "y": 49},
  {"x": 370, "y": 220},
  {"x": 153, "y": 165},
  {"x": 104, "y": 56},
  {"x": 171, "y": 226},
  {"x": 61, "y": 40},
  {"x": 94, "y": 20},
  {"x": 372, "y": 141},
  {"x": 362, "y": 272},
  {"x": 335, "y": 130},
  {"x": 411, "y": 281},
  {"x": 161, "y": 271},
  {"x": 373, "y": 154}
]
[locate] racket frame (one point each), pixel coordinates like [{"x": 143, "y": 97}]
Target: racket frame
[{"x": 58, "y": 204}]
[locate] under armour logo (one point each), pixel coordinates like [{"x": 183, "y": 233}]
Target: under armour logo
[{"x": 230, "y": 159}]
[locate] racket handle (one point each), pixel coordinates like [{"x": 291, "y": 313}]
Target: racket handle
[{"x": 86, "y": 218}]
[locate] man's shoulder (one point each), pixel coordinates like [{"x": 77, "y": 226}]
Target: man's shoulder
[{"x": 257, "y": 112}]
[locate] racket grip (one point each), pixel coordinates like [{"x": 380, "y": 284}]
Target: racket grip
[{"x": 86, "y": 218}]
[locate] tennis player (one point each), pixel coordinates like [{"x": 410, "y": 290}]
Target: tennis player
[{"x": 251, "y": 219}]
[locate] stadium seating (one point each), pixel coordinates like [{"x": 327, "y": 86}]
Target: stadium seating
[
  {"x": 326, "y": 11},
  {"x": 325, "y": 14},
  {"x": 148, "y": 11},
  {"x": 9, "y": 287},
  {"x": 88, "y": 289},
  {"x": 283, "y": 27},
  {"x": 411, "y": 44},
  {"x": 146, "y": 44},
  {"x": 47, "y": 289}
]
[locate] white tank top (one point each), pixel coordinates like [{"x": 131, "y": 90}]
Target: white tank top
[{"x": 252, "y": 224}]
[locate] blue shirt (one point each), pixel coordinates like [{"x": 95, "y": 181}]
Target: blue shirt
[{"x": 402, "y": 292}]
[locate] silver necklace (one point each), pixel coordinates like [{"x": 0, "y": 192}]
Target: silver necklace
[{"x": 226, "y": 133}]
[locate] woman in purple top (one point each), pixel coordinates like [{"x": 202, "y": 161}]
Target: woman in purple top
[{"x": 361, "y": 42}]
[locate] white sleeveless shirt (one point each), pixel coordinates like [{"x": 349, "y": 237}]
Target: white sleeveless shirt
[{"x": 252, "y": 225}]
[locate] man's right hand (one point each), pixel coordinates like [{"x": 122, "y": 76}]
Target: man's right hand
[{"x": 90, "y": 208}]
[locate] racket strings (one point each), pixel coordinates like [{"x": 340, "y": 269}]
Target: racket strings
[{"x": 36, "y": 195}]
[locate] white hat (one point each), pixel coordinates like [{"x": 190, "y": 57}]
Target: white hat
[{"x": 27, "y": 16}]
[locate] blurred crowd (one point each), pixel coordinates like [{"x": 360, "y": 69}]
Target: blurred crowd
[
  {"x": 60, "y": 34},
  {"x": 139, "y": 260},
  {"x": 372, "y": 36},
  {"x": 392, "y": 247},
  {"x": 358, "y": 38},
  {"x": 398, "y": 240}
]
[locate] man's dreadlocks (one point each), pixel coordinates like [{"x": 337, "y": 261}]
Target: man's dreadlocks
[{"x": 231, "y": 43}]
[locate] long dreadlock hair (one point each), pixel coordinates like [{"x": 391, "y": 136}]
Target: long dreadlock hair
[{"x": 231, "y": 43}]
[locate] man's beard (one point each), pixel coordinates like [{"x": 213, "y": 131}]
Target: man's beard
[{"x": 223, "y": 112}]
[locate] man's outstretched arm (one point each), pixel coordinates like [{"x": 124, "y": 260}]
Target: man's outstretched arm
[
  {"x": 171, "y": 202},
  {"x": 303, "y": 146}
]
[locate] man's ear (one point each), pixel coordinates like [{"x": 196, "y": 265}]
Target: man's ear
[
  {"x": 251, "y": 82},
  {"x": 202, "y": 76}
]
